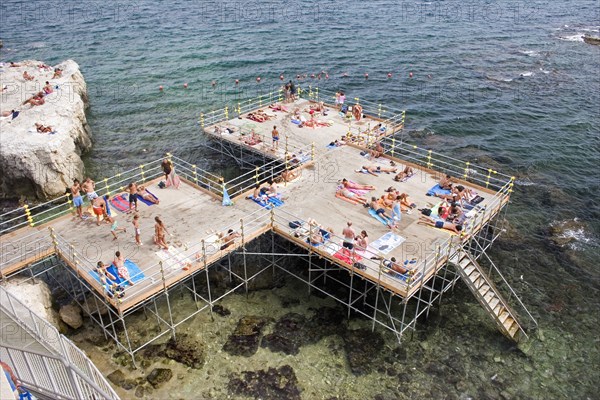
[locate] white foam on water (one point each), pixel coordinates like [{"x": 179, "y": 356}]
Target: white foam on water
[
  {"x": 526, "y": 74},
  {"x": 530, "y": 53},
  {"x": 544, "y": 71},
  {"x": 572, "y": 38}
]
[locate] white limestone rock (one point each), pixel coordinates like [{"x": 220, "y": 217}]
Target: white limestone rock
[
  {"x": 42, "y": 164},
  {"x": 36, "y": 296}
]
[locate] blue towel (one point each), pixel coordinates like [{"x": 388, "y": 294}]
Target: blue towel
[
  {"x": 331, "y": 146},
  {"x": 134, "y": 272},
  {"x": 438, "y": 190},
  {"x": 326, "y": 236},
  {"x": 377, "y": 217},
  {"x": 268, "y": 203},
  {"x": 149, "y": 203}
]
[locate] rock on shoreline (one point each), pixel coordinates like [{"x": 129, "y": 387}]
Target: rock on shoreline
[{"x": 42, "y": 164}]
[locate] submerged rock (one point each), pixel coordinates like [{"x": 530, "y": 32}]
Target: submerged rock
[
  {"x": 117, "y": 377},
  {"x": 187, "y": 350},
  {"x": 363, "y": 348},
  {"x": 565, "y": 232},
  {"x": 270, "y": 384},
  {"x": 220, "y": 310},
  {"x": 294, "y": 330},
  {"x": 159, "y": 376},
  {"x": 245, "y": 339}
]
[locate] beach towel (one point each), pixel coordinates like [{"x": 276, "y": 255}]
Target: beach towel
[
  {"x": 267, "y": 203},
  {"x": 135, "y": 273},
  {"x": 347, "y": 257},
  {"x": 377, "y": 217},
  {"x": 174, "y": 259},
  {"x": 120, "y": 202},
  {"x": 107, "y": 205},
  {"x": 434, "y": 191},
  {"x": 387, "y": 242},
  {"x": 360, "y": 192},
  {"x": 147, "y": 202},
  {"x": 226, "y": 199}
]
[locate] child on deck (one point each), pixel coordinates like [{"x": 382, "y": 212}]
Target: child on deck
[{"x": 136, "y": 227}]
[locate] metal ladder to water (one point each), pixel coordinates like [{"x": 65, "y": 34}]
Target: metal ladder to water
[{"x": 489, "y": 297}]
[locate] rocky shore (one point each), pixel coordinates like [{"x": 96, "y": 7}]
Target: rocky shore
[{"x": 42, "y": 164}]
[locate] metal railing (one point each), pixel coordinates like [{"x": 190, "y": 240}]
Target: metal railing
[
  {"x": 23, "y": 249},
  {"x": 205, "y": 179},
  {"x": 271, "y": 169},
  {"x": 190, "y": 257},
  {"x": 89, "y": 381}
]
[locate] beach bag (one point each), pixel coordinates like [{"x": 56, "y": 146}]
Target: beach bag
[
  {"x": 162, "y": 184},
  {"x": 295, "y": 224},
  {"x": 426, "y": 212}
]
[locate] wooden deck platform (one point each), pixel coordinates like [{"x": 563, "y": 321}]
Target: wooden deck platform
[{"x": 191, "y": 215}]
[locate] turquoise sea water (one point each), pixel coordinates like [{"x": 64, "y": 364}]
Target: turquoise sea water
[{"x": 509, "y": 85}]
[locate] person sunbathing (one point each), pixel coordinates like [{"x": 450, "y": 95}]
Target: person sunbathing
[
  {"x": 357, "y": 186},
  {"x": 256, "y": 117},
  {"x": 446, "y": 182},
  {"x": 454, "y": 213},
  {"x": 316, "y": 238},
  {"x": 458, "y": 194},
  {"x": 103, "y": 274},
  {"x": 36, "y": 100},
  {"x": 406, "y": 202},
  {"x": 374, "y": 170},
  {"x": 47, "y": 88},
  {"x": 385, "y": 202},
  {"x": 27, "y": 77},
  {"x": 342, "y": 191},
  {"x": 290, "y": 174},
  {"x": 375, "y": 205},
  {"x": 278, "y": 107},
  {"x": 405, "y": 174},
  {"x": 228, "y": 239},
  {"x": 252, "y": 139},
  {"x": 396, "y": 266},
  {"x": 144, "y": 194},
  {"x": 119, "y": 262},
  {"x": 376, "y": 151},
  {"x": 57, "y": 73},
  {"x": 424, "y": 220},
  {"x": 43, "y": 129}
]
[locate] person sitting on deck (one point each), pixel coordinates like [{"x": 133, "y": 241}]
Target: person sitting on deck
[
  {"x": 351, "y": 185},
  {"x": 405, "y": 174},
  {"x": 316, "y": 237},
  {"x": 424, "y": 220},
  {"x": 362, "y": 241},
  {"x": 119, "y": 263},
  {"x": 379, "y": 210},
  {"x": 103, "y": 274},
  {"x": 406, "y": 202},
  {"x": 458, "y": 195},
  {"x": 143, "y": 193},
  {"x": 28, "y": 77},
  {"x": 374, "y": 170},
  {"x": 290, "y": 174},
  {"x": 342, "y": 191},
  {"x": 446, "y": 182},
  {"x": 252, "y": 139},
  {"x": 228, "y": 239},
  {"x": 376, "y": 151}
]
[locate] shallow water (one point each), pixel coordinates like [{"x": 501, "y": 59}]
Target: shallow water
[{"x": 506, "y": 85}]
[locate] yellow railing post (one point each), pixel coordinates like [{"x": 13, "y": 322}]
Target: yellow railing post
[
  {"x": 256, "y": 175},
  {"x": 202, "y": 120},
  {"x": 195, "y": 173},
  {"x": 286, "y": 146},
  {"x": 357, "y": 100},
  {"x": 466, "y": 175},
  {"x": 279, "y": 95},
  {"x": 317, "y": 93},
  {"x": 142, "y": 172},
  {"x": 312, "y": 151},
  {"x": 379, "y": 111},
  {"x": 487, "y": 183},
  {"x": 511, "y": 184},
  {"x": 310, "y": 92},
  {"x": 107, "y": 186},
  {"x": 242, "y": 232},
  {"x": 28, "y": 215},
  {"x": 429, "y": 158},
  {"x": 226, "y": 112},
  {"x": 393, "y": 145},
  {"x": 260, "y": 101},
  {"x": 239, "y": 109}
]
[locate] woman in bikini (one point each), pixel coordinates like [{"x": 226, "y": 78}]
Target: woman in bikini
[
  {"x": 351, "y": 185},
  {"x": 342, "y": 191},
  {"x": 159, "y": 233}
]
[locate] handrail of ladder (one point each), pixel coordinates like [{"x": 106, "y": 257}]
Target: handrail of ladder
[
  {"x": 513, "y": 293},
  {"x": 50, "y": 375},
  {"x": 47, "y": 335}
]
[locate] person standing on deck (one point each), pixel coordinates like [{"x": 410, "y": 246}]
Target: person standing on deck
[
  {"x": 133, "y": 188},
  {"x": 275, "y": 136},
  {"x": 77, "y": 199},
  {"x": 349, "y": 236}
]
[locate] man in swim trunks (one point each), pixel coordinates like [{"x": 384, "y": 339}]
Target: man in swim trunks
[
  {"x": 77, "y": 199},
  {"x": 136, "y": 227},
  {"x": 119, "y": 262},
  {"x": 379, "y": 210},
  {"x": 275, "y": 136},
  {"x": 88, "y": 187},
  {"x": 133, "y": 189},
  {"x": 98, "y": 209},
  {"x": 342, "y": 191},
  {"x": 349, "y": 236},
  {"x": 423, "y": 220},
  {"x": 229, "y": 238}
]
